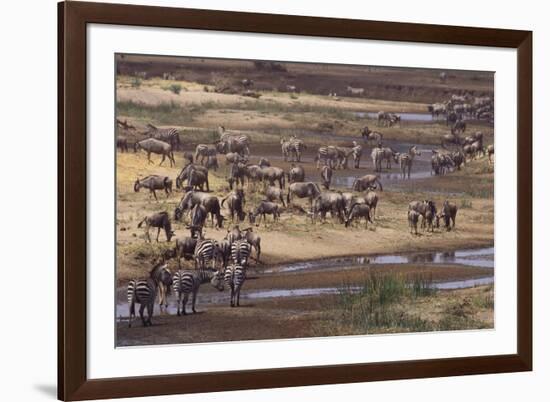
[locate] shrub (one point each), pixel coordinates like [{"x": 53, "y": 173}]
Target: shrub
[
  {"x": 136, "y": 82},
  {"x": 175, "y": 88}
]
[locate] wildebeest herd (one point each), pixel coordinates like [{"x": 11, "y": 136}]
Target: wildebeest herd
[{"x": 225, "y": 263}]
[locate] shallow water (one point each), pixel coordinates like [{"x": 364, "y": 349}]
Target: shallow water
[
  {"x": 404, "y": 116},
  {"x": 480, "y": 258}
]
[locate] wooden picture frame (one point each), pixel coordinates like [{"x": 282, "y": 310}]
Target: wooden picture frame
[{"x": 73, "y": 383}]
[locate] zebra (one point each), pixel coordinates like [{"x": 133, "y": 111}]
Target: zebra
[
  {"x": 406, "y": 160},
  {"x": 356, "y": 153},
  {"x": 144, "y": 292},
  {"x": 326, "y": 176},
  {"x": 205, "y": 252},
  {"x": 240, "y": 252},
  {"x": 230, "y": 142},
  {"x": 285, "y": 148},
  {"x": 186, "y": 282},
  {"x": 295, "y": 148},
  {"x": 234, "y": 276},
  {"x": 329, "y": 155},
  {"x": 168, "y": 135},
  {"x": 205, "y": 152}
]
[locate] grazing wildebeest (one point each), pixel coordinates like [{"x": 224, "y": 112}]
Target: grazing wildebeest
[
  {"x": 185, "y": 248},
  {"x": 326, "y": 176},
  {"x": 197, "y": 179},
  {"x": 450, "y": 139},
  {"x": 264, "y": 162},
  {"x": 234, "y": 157},
  {"x": 168, "y": 135},
  {"x": 253, "y": 173},
  {"x": 406, "y": 160},
  {"x": 212, "y": 162},
  {"x": 448, "y": 213},
  {"x": 328, "y": 201},
  {"x": 412, "y": 217},
  {"x": 188, "y": 156},
  {"x": 263, "y": 209},
  {"x": 273, "y": 193},
  {"x": 458, "y": 127},
  {"x": 235, "y": 204},
  {"x": 151, "y": 145},
  {"x": 296, "y": 174},
  {"x": 204, "y": 151},
  {"x": 422, "y": 207},
  {"x": 160, "y": 221},
  {"x": 363, "y": 183},
  {"x": 185, "y": 172},
  {"x": 237, "y": 174},
  {"x": 122, "y": 143},
  {"x": 154, "y": 182},
  {"x": 273, "y": 174},
  {"x": 303, "y": 190},
  {"x": 254, "y": 240},
  {"x": 350, "y": 199},
  {"x": 371, "y": 199},
  {"x": 198, "y": 217},
  {"x": 369, "y": 135},
  {"x": 192, "y": 198},
  {"x": 358, "y": 211}
]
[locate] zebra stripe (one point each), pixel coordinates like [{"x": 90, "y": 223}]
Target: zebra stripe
[
  {"x": 187, "y": 282},
  {"x": 144, "y": 292},
  {"x": 235, "y": 276},
  {"x": 205, "y": 252},
  {"x": 240, "y": 252}
]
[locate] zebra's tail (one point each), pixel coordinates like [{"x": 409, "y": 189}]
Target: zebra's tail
[{"x": 131, "y": 294}]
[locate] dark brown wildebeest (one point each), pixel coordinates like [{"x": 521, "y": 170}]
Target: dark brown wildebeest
[
  {"x": 366, "y": 182},
  {"x": 151, "y": 145},
  {"x": 263, "y": 209},
  {"x": 122, "y": 143},
  {"x": 274, "y": 193},
  {"x": 303, "y": 190},
  {"x": 296, "y": 174},
  {"x": 160, "y": 221},
  {"x": 154, "y": 182},
  {"x": 448, "y": 213},
  {"x": 358, "y": 211},
  {"x": 235, "y": 204}
]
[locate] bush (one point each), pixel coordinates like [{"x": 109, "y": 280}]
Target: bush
[
  {"x": 175, "y": 88},
  {"x": 136, "y": 82}
]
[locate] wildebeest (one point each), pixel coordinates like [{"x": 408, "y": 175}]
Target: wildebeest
[
  {"x": 272, "y": 174},
  {"x": 234, "y": 157},
  {"x": 326, "y": 176},
  {"x": 371, "y": 199},
  {"x": 364, "y": 182},
  {"x": 491, "y": 152},
  {"x": 188, "y": 156},
  {"x": 448, "y": 213},
  {"x": 303, "y": 190},
  {"x": 185, "y": 248},
  {"x": 122, "y": 143},
  {"x": 422, "y": 207},
  {"x": 237, "y": 173},
  {"x": 154, "y": 182},
  {"x": 369, "y": 135},
  {"x": 212, "y": 163},
  {"x": 450, "y": 139},
  {"x": 185, "y": 173},
  {"x": 329, "y": 201},
  {"x": 197, "y": 180},
  {"x": 192, "y": 198},
  {"x": 235, "y": 204},
  {"x": 160, "y": 221},
  {"x": 151, "y": 145},
  {"x": 458, "y": 127},
  {"x": 358, "y": 211},
  {"x": 254, "y": 239},
  {"x": 263, "y": 209},
  {"x": 296, "y": 174},
  {"x": 204, "y": 151},
  {"x": 412, "y": 217},
  {"x": 264, "y": 162},
  {"x": 273, "y": 193}
]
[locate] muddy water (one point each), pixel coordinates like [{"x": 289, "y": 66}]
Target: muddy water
[
  {"x": 479, "y": 258},
  {"x": 417, "y": 117}
]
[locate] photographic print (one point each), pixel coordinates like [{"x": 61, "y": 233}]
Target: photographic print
[{"x": 260, "y": 200}]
